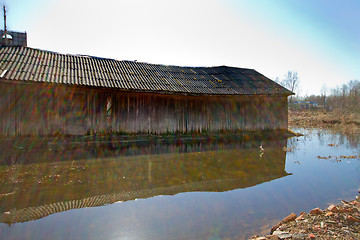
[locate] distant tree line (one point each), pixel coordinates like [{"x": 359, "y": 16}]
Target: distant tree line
[{"x": 344, "y": 98}]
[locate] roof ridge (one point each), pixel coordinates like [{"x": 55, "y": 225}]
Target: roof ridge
[
  {"x": 32, "y": 64},
  {"x": 130, "y": 61}
]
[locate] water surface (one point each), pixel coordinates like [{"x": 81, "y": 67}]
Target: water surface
[{"x": 171, "y": 191}]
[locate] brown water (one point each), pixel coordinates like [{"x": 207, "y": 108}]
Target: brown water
[{"x": 108, "y": 190}]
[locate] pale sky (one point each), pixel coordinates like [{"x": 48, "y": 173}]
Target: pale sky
[{"x": 320, "y": 39}]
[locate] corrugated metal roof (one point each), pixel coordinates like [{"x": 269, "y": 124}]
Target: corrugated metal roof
[{"x": 28, "y": 64}]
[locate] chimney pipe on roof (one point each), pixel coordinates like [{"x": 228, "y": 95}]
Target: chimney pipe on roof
[
  {"x": 11, "y": 38},
  {"x": 5, "y": 29}
]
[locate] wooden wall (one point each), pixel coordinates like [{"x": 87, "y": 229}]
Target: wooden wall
[
  {"x": 47, "y": 109},
  {"x": 169, "y": 113}
]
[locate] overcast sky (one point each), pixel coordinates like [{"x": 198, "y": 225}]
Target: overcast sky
[{"x": 320, "y": 39}]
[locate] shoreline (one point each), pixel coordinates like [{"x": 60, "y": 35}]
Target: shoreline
[{"x": 341, "y": 221}]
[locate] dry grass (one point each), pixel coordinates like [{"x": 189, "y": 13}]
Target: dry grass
[{"x": 318, "y": 118}]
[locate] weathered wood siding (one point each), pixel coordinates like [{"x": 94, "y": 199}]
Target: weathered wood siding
[
  {"x": 169, "y": 113},
  {"x": 46, "y": 109}
]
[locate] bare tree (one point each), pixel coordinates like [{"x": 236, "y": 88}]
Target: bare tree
[
  {"x": 323, "y": 92},
  {"x": 277, "y": 80},
  {"x": 345, "y": 98},
  {"x": 291, "y": 81}
]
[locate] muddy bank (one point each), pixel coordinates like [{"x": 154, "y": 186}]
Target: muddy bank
[
  {"x": 336, "y": 222},
  {"x": 332, "y": 120}
]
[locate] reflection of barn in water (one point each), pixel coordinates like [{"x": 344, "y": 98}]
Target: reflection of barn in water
[
  {"x": 43, "y": 188},
  {"x": 45, "y": 93}
]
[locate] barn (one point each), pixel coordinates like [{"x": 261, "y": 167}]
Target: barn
[{"x": 45, "y": 93}]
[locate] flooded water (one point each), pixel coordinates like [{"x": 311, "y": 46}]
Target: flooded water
[{"x": 217, "y": 190}]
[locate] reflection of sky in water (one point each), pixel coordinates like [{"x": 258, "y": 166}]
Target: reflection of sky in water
[
  {"x": 192, "y": 215},
  {"x": 323, "y": 180}
]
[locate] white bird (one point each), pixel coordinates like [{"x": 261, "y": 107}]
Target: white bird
[{"x": 261, "y": 148}]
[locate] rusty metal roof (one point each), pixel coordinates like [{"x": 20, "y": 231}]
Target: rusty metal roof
[{"x": 28, "y": 64}]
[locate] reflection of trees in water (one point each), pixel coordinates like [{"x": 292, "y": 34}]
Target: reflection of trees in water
[
  {"x": 294, "y": 143},
  {"x": 324, "y": 138},
  {"x": 354, "y": 140},
  {"x": 348, "y": 140}
]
